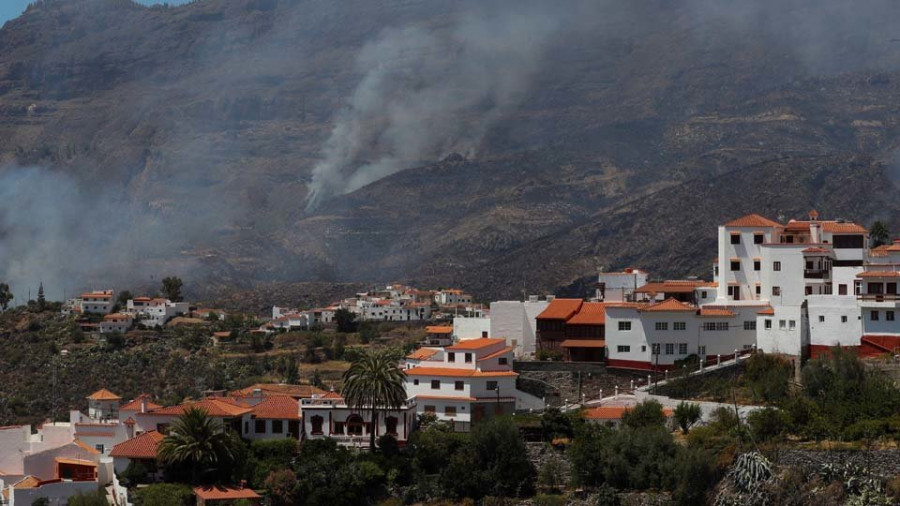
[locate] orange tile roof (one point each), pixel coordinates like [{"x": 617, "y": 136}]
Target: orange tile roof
[
  {"x": 331, "y": 395},
  {"x": 86, "y": 447},
  {"x": 295, "y": 391},
  {"x": 816, "y": 249},
  {"x": 96, "y": 295},
  {"x": 878, "y": 274},
  {"x": 715, "y": 312},
  {"x": 135, "y": 404},
  {"x": 583, "y": 343},
  {"x": 117, "y": 316},
  {"x": 224, "y": 493},
  {"x": 752, "y": 220},
  {"x": 843, "y": 228},
  {"x": 439, "y": 329},
  {"x": 561, "y": 309},
  {"x": 614, "y": 412},
  {"x": 75, "y": 462},
  {"x": 279, "y": 407},
  {"x": 28, "y": 482},
  {"x": 591, "y": 313},
  {"x": 140, "y": 447},
  {"x": 797, "y": 226},
  {"x": 496, "y": 354},
  {"x": 767, "y": 311},
  {"x": 668, "y": 305},
  {"x": 444, "y": 398},
  {"x": 130, "y": 421},
  {"x": 422, "y": 354},
  {"x": 213, "y": 407},
  {"x": 475, "y": 344},
  {"x": 103, "y": 395},
  {"x": 451, "y": 372}
]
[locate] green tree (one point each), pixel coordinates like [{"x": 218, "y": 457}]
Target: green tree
[
  {"x": 374, "y": 382},
  {"x": 5, "y": 296},
  {"x": 879, "y": 234},
  {"x": 164, "y": 494},
  {"x": 501, "y": 455},
  {"x": 171, "y": 288},
  {"x": 97, "y": 498},
  {"x": 202, "y": 445},
  {"x": 41, "y": 300},
  {"x": 346, "y": 320},
  {"x": 686, "y": 415},
  {"x": 123, "y": 298},
  {"x": 281, "y": 487},
  {"x": 646, "y": 414},
  {"x": 41, "y": 501}
]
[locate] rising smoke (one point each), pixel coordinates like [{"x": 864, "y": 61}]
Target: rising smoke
[{"x": 425, "y": 93}]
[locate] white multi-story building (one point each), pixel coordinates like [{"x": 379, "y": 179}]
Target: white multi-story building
[
  {"x": 452, "y": 297},
  {"x": 153, "y": 312},
  {"x": 117, "y": 322},
  {"x": 329, "y": 416},
  {"x": 464, "y": 383},
  {"x": 466, "y": 327},
  {"x": 619, "y": 286},
  {"x": 100, "y": 302},
  {"x": 516, "y": 322}
]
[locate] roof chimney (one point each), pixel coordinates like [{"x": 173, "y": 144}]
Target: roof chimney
[
  {"x": 813, "y": 215},
  {"x": 143, "y": 404}
]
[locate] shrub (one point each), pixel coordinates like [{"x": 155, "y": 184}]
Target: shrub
[
  {"x": 164, "y": 494},
  {"x": 549, "y": 500},
  {"x": 767, "y": 423},
  {"x": 646, "y": 414},
  {"x": 686, "y": 415},
  {"x": 606, "y": 496},
  {"x": 97, "y": 498},
  {"x": 281, "y": 487}
]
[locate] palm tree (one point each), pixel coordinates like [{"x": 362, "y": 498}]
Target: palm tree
[
  {"x": 197, "y": 441},
  {"x": 374, "y": 381},
  {"x": 879, "y": 234}
]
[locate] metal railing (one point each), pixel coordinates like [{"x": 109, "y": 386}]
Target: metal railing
[
  {"x": 878, "y": 297},
  {"x": 816, "y": 273}
]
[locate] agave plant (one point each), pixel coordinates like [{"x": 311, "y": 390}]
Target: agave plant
[{"x": 750, "y": 470}]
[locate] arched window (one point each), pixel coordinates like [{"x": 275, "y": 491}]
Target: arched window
[
  {"x": 390, "y": 424},
  {"x": 355, "y": 425},
  {"x": 317, "y": 424}
]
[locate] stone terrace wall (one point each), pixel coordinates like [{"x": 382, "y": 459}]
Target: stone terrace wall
[
  {"x": 557, "y": 381},
  {"x": 880, "y": 462}
]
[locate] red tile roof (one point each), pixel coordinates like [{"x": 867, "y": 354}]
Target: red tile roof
[
  {"x": 767, "y": 311},
  {"x": 561, "y": 309},
  {"x": 267, "y": 389},
  {"x": 496, "y": 354},
  {"x": 213, "y": 407},
  {"x": 140, "y": 447},
  {"x": 614, "y": 412},
  {"x": 816, "y": 249},
  {"x": 279, "y": 407},
  {"x": 224, "y": 493},
  {"x": 422, "y": 354},
  {"x": 452, "y": 372},
  {"x": 673, "y": 286},
  {"x": 878, "y": 274},
  {"x": 439, "y": 329},
  {"x": 591, "y": 313},
  {"x": 843, "y": 228},
  {"x": 103, "y": 395},
  {"x": 135, "y": 404},
  {"x": 715, "y": 312},
  {"x": 475, "y": 344},
  {"x": 670, "y": 305},
  {"x": 752, "y": 220}
]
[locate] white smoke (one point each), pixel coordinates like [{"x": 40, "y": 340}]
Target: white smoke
[{"x": 427, "y": 92}]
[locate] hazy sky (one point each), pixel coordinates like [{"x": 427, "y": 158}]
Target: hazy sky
[{"x": 12, "y": 8}]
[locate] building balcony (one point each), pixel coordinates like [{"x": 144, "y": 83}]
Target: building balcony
[
  {"x": 817, "y": 274},
  {"x": 878, "y": 297}
]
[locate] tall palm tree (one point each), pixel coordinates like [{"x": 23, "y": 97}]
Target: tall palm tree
[
  {"x": 201, "y": 443},
  {"x": 374, "y": 382}
]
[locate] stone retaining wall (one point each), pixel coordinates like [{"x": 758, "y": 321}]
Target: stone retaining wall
[
  {"x": 557, "y": 381},
  {"x": 884, "y": 463}
]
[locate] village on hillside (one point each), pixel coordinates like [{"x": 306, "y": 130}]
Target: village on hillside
[{"x": 788, "y": 294}]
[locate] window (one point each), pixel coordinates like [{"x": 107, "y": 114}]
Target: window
[
  {"x": 491, "y": 385},
  {"x": 451, "y": 357},
  {"x": 468, "y": 358},
  {"x": 670, "y": 348},
  {"x": 757, "y": 265},
  {"x": 654, "y": 349},
  {"x": 844, "y": 319},
  {"x": 435, "y": 384},
  {"x": 750, "y": 325},
  {"x": 679, "y": 326},
  {"x": 758, "y": 238},
  {"x": 338, "y": 428},
  {"x": 709, "y": 326},
  {"x": 623, "y": 349},
  {"x": 734, "y": 292},
  {"x": 792, "y": 324},
  {"x": 821, "y": 318},
  {"x": 782, "y": 324},
  {"x": 767, "y": 324},
  {"x": 776, "y": 266},
  {"x": 776, "y": 291},
  {"x": 682, "y": 348},
  {"x": 842, "y": 289},
  {"x": 415, "y": 382},
  {"x": 889, "y": 316},
  {"x": 484, "y": 333},
  {"x": 259, "y": 426},
  {"x": 662, "y": 325},
  {"x": 458, "y": 385},
  {"x": 390, "y": 425},
  {"x": 701, "y": 351},
  {"x": 430, "y": 410},
  {"x": 624, "y": 326},
  {"x": 758, "y": 289},
  {"x": 449, "y": 410},
  {"x": 502, "y": 361},
  {"x": 874, "y": 316},
  {"x": 317, "y": 424},
  {"x": 721, "y": 325},
  {"x": 643, "y": 348},
  {"x": 277, "y": 426},
  {"x": 735, "y": 238},
  {"x": 735, "y": 265},
  {"x": 99, "y": 448}
]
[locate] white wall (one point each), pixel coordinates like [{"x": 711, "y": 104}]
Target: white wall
[
  {"x": 780, "y": 339},
  {"x": 470, "y": 328},
  {"x": 746, "y": 251},
  {"x": 58, "y": 493},
  {"x": 825, "y": 320},
  {"x": 517, "y": 323}
]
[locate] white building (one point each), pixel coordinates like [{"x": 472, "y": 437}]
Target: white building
[
  {"x": 328, "y": 416},
  {"x": 100, "y": 302},
  {"x": 452, "y": 297},
  {"x": 516, "y": 322},
  {"x": 471, "y": 328},
  {"x": 153, "y": 312},
  {"x": 464, "y": 383},
  {"x": 117, "y": 322},
  {"x": 619, "y": 286}
]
